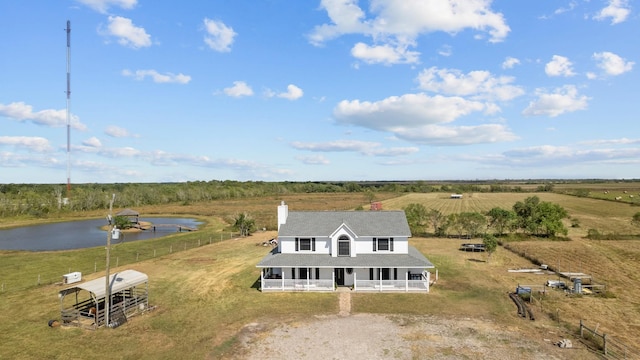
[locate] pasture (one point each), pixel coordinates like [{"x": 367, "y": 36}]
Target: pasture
[{"x": 206, "y": 296}]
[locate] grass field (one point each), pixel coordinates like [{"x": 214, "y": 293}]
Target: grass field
[{"x": 205, "y": 296}]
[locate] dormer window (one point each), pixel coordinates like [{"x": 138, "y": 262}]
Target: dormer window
[{"x": 344, "y": 246}]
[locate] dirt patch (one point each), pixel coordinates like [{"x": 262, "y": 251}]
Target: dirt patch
[{"x": 368, "y": 336}]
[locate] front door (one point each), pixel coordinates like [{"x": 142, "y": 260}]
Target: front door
[{"x": 339, "y": 276}]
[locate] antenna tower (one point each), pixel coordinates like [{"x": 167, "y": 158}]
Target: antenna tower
[{"x": 68, "y": 109}]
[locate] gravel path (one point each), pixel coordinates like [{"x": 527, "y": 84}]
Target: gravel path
[{"x": 369, "y": 336}]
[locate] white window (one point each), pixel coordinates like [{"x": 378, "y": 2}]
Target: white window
[
  {"x": 382, "y": 244},
  {"x": 305, "y": 244},
  {"x": 344, "y": 246}
]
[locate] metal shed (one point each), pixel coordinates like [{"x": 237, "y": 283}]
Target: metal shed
[{"x": 83, "y": 305}]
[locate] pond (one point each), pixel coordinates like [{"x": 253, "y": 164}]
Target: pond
[{"x": 81, "y": 234}]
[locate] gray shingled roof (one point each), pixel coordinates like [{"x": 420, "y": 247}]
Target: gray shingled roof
[
  {"x": 413, "y": 259},
  {"x": 363, "y": 223}
]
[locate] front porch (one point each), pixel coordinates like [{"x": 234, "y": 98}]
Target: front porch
[{"x": 413, "y": 283}]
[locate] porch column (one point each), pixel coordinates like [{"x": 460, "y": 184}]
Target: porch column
[
  {"x": 380, "y": 278},
  {"x": 406, "y": 281},
  {"x": 282, "y": 278},
  {"x": 261, "y": 279},
  {"x": 333, "y": 278},
  {"x": 308, "y": 277},
  {"x": 355, "y": 280},
  {"x": 428, "y": 280}
]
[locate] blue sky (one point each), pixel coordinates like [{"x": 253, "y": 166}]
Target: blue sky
[{"x": 345, "y": 90}]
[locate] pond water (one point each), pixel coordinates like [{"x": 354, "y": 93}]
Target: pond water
[{"x": 80, "y": 234}]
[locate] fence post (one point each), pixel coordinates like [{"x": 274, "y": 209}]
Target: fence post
[
  {"x": 137, "y": 256},
  {"x": 581, "y": 331},
  {"x": 604, "y": 343},
  {"x": 38, "y": 279},
  {"x": 95, "y": 266},
  {"x": 154, "y": 252},
  {"x": 117, "y": 260}
]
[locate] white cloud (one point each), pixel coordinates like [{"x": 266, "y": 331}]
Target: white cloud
[
  {"x": 158, "y": 77},
  {"x": 612, "y": 64},
  {"x": 559, "y": 66},
  {"x": 477, "y": 84},
  {"x": 418, "y": 118},
  {"x": 368, "y": 148},
  {"x": 31, "y": 143},
  {"x": 510, "y": 62},
  {"x": 313, "y": 160},
  {"x": 102, "y": 6},
  {"x": 562, "y": 100},
  {"x": 394, "y": 25},
  {"x": 617, "y": 10},
  {"x": 53, "y": 118},
  {"x": 117, "y": 132},
  {"x": 93, "y": 142},
  {"x": 457, "y": 135},
  {"x": 219, "y": 36},
  {"x": 293, "y": 93},
  {"x": 239, "y": 89},
  {"x": 384, "y": 54},
  {"x": 127, "y": 33}
]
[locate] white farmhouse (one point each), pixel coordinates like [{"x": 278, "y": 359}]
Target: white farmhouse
[{"x": 364, "y": 250}]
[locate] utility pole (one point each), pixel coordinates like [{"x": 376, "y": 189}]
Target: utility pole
[
  {"x": 68, "y": 30},
  {"x": 107, "y": 293}
]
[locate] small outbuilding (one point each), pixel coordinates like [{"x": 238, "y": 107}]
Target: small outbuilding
[
  {"x": 83, "y": 305},
  {"x": 132, "y": 215}
]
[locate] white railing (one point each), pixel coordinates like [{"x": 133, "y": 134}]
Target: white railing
[{"x": 297, "y": 285}]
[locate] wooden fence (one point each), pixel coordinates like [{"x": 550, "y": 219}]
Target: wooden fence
[{"x": 612, "y": 349}]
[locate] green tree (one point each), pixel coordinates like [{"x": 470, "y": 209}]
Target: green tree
[
  {"x": 416, "y": 217},
  {"x": 490, "y": 245},
  {"x": 540, "y": 218},
  {"x": 501, "y": 219},
  {"x": 436, "y": 219},
  {"x": 472, "y": 223},
  {"x": 244, "y": 224}
]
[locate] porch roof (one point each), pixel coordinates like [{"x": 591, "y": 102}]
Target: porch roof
[
  {"x": 414, "y": 259},
  {"x": 119, "y": 281}
]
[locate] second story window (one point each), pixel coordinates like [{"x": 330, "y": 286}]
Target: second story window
[
  {"x": 382, "y": 244},
  {"x": 305, "y": 244},
  {"x": 344, "y": 246}
]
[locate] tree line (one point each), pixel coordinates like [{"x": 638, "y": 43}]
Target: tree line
[
  {"x": 40, "y": 200},
  {"x": 531, "y": 217}
]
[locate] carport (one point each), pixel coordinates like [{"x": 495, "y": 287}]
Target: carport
[{"x": 83, "y": 305}]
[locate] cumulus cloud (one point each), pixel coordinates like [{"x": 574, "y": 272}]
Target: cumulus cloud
[
  {"x": 510, "y": 62},
  {"x": 617, "y": 10},
  {"x": 157, "y": 77},
  {"x": 384, "y": 54},
  {"x": 560, "y": 101},
  {"x": 30, "y": 143},
  {"x": 368, "y": 148},
  {"x": 239, "y": 89},
  {"x": 394, "y": 25},
  {"x": 219, "y": 36},
  {"x": 117, "y": 132},
  {"x": 127, "y": 33},
  {"x": 20, "y": 111},
  {"x": 559, "y": 66},
  {"x": 477, "y": 84},
  {"x": 293, "y": 93},
  {"x": 612, "y": 64},
  {"x": 93, "y": 142},
  {"x": 102, "y": 6},
  {"x": 419, "y": 118}
]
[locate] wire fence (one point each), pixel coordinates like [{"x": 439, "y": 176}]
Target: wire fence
[
  {"x": 612, "y": 348},
  {"x": 119, "y": 257}
]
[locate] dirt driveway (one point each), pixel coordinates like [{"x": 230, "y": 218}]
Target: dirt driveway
[{"x": 369, "y": 336}]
